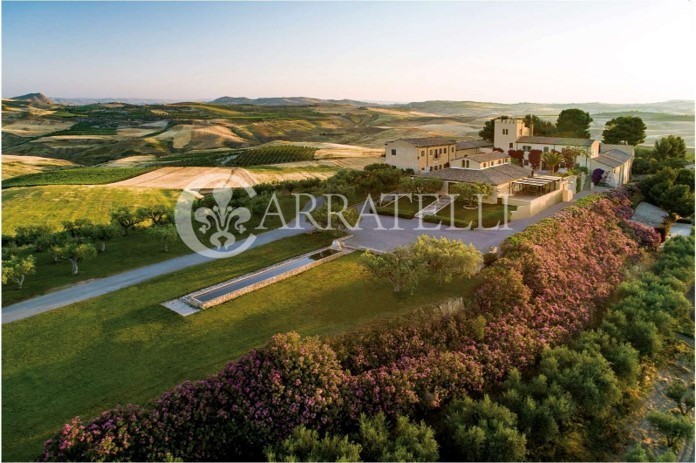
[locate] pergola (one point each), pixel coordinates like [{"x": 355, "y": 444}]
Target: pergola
[{"x": 539, "y": 184}]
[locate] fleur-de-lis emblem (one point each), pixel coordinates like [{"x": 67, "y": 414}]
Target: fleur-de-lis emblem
[{"x": 222, "y": 216}]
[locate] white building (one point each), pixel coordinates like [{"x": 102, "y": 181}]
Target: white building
[
  {"x": 431, "y": 153},
  {"x": 614, "y": 160}
]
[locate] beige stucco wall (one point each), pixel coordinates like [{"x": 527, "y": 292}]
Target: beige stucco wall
[
  {"x": 419, "y": 159},
  {"x": 615, "y": 176},
  {"x": 515, "y": 128},
  {"x": 528, "y": 208},
  {"x": 406, "y": 156}
]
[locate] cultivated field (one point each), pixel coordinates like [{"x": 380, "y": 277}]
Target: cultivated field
[
  {"x": 13, "y": 166},
  {"x": 54, "y": 204},
  {"x": 75, "y": 176},
  {"x": 178, "y": 178},
  {"x": 36, "y": 128}
]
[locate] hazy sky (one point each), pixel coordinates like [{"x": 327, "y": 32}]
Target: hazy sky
[{"x": 488, "y": 51}]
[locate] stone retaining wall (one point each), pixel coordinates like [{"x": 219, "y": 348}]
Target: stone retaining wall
[{"x": 190, "y": 298}]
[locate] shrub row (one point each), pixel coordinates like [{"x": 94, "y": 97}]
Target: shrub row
[{"x": 409, "y": 368}]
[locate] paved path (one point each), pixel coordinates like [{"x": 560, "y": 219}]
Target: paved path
[
  {"x": 384, "y": 240},
  {"x": 367, "y": 238},
  {"x": 98, "y": 287}
]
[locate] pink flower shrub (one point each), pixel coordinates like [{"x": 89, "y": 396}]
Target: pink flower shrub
[
  {"x": 547, "y": 287},
  {"x": 290, "y": 382},
  {"x": 645, "y": 236},
  {"x": 118, "y": 434}
]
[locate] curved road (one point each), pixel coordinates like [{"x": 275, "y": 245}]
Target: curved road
[
  {"x": 93, "y": 288},
  {"x": 367, "y": 238}
]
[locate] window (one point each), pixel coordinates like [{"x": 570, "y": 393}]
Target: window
[
  {"x": 484, "y": 165},
  {"x": 546, "y": 149},
  {"x": 526, "y": 148},
  {"x": 510, "y": 145},
  {"x": 393, "y": 152},
  {"x": 505, "y": 131}
]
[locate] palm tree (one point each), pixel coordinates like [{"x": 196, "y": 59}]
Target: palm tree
[{"x": 552, "y": 159}]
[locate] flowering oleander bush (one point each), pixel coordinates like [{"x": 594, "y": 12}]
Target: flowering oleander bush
[
  {"x": 291, "y": 382},
  {"x": 645, "y": 236},
  {"x": 118, "y": 434},
  {"x": 546, "y": 287}
]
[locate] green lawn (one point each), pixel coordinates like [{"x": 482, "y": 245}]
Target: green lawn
[
  {"x": 124, "y": 347},
  {"x": 54, "y": 204},
  {"x": 122, "y": 253},
  {"x": 492, "y": 214},
  {"x": 76, "y": 176},
  {"x": 407, "y": 207}
]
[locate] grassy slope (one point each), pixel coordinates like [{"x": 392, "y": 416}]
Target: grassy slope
[
  {"x": 54, "y": 204},
  {"x": 79, "y": 176},
  {"x": 123, "y": 347},
  {"x": 14, "y": 166},
  {"x": 122, "y": 253}
]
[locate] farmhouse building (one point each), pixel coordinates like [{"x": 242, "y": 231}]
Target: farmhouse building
[
  {"x": 615, "y": 161},
  {"x": 431, "y": 153}
]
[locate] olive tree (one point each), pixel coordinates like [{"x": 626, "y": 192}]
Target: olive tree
[
  {"x": 101, "y": 233},
  {"x": 157, "y": 214},
  {"x": 15, "y": 269},
  {"x": 306, "y": 445},
  {"x": 165, "y": 234},
  {"x": 400, "y": 267},
  {"x": 74, "y": 252},
  {"x": 468, "y": 193},
  {"x": 674, "y": 427},
  {"x": 482, "y": 430},
  {"x": 400, "y": 440},
  {"x": 126, "y": 218},
  {"x": 447, "y": 258},
  {"x": 420, "y": 185}
]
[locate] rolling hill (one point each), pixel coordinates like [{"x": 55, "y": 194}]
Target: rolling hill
[{"x": 97, "y": 133}]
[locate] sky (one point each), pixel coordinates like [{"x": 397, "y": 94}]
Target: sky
[{"x": 551, "y": 52}]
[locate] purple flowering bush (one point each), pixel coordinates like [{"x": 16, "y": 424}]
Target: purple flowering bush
[
  {"x": 645, "y": 236},
  {"x": 545, "y": 288}
]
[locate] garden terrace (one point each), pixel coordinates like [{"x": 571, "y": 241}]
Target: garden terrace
[
  {"x": 409, "y": 368},
  {"x": 124, "y": 347}
]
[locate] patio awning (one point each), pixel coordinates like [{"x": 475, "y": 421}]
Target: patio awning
[{"x": 537, "y": 180}]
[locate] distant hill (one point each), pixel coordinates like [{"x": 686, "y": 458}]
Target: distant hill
[
  {"x": 481, "y": 109},
  {"x": 35, "y": 98},
  {"x": 133, "y": 101},
  {"x": 285, "y": 101}
]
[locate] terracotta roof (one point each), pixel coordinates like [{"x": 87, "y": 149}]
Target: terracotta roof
[
  {"x": 483, "y": 157},
  {"x": 469, "y": 144},
  {"x": 428, "y": 141},
  {"x": 497, "y": 175},
  {"x": 557, "y": 141}
]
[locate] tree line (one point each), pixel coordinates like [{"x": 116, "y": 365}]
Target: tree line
[{"x": 575, "y": 123}]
